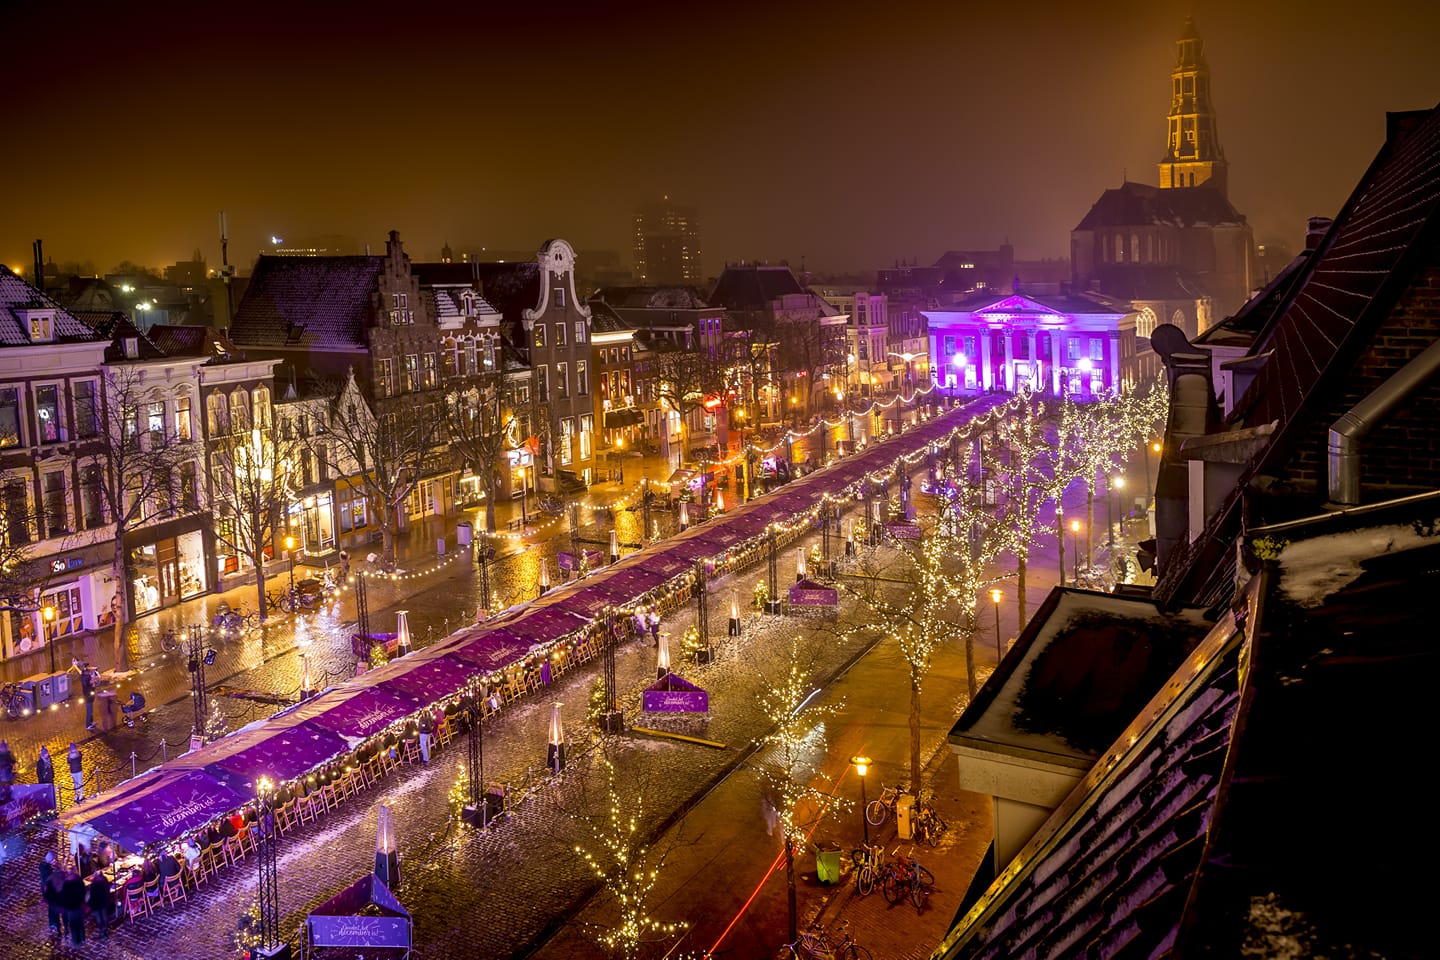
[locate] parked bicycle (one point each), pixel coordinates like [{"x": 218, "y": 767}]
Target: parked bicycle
[
  {"x": 868, "y": 860},
  {"x": 929, "y": 825},
  {"x": 230, "y": 619},
  {"x": 815, "y": 944},
  {"x": 903, "y": 877},
  {"x": 17, "y": 704},
  {"x": 878, "y": 810}
]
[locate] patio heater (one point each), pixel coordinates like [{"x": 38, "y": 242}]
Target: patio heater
[
  {"x": 799, "y": 564},
  {"x": 197, "y": 658},
  {"x": 734, "y": 614},
  {"x": 555, "y": 746},
  {"x": 773, "y": 604},
  {"x": 387, "y": 857},
  {"x": 614, "y": 547},
  {"x": 544, "y": 577},
  {"x": 662, "y": 657},
  {"x": 402, "y": 631},
  {"x": 684, "y": 517}
]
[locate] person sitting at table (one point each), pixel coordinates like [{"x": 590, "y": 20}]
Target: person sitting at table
[
  {"x": 102, "y": 902},
  {"x": 169, "y": 866},
  {"x": 210, "y": 836},
  {"x": 228, "y": 827},
  {"x": 191, "y": 851},
  {"x": 149, "y": 870},
  {"x": 102, "y": 857}
]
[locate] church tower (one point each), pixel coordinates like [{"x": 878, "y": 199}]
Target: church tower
[{"x": 1192, "y": 154}]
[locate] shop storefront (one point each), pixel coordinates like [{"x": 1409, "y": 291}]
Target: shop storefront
[
  {"x": 77, "y": 586},
  {"x": 169, "y": 562},
  {"x": 521, "y": 476},
  {"x": 312, "y": 520}
]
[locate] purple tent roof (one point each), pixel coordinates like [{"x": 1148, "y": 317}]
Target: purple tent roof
[
  {"x": 545, "y": 624},
  {"x": 629, "y": 584},
  {"x": 278, "y": 754},
  {"x": 355, "y": 713},
  {"x": 690, "y": 548},
  {"x": 493, "y": 649},
  {"x": 426, "y": 679},
  {"x": 176, "y": 802}
]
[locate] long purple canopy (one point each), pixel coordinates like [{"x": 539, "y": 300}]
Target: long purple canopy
[
  {"x": 546, "y": 624},
  {"x": 174, "y": 804},
  {"x": 425, "y": 678},
  {"x": 278, "y": 754},
  {"x": 354, "y": 712},
  {"x": 493, "y": 649}
]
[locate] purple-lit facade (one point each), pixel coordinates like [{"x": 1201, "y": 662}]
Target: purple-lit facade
[{"x": 1060, "y": 345}]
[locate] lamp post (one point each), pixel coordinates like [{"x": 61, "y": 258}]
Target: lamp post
[
  {"x": 1145, "y": 455},
  {"x": 862, "y": 764},
  {"x": 1075, "y": 551},
  {"x": 290, "y": 549},
  {"x": 48, "y": 616},
  {"x": 995, "y": 597},
  {"x": 1119, "y": 485}
]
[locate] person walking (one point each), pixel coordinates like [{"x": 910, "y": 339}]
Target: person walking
[
  {"x": 654, "y": 627},
  {"x": 45, "y": 768},
  {"x": 72, "y": 901},
  {"x": 51, "y": 893},
  {"x": 102, "y": 902},
  {"x": 77, "y": 775},
  {"x": 87, "y": 687},
  {"x": 7, "y": 770},
  {"x": 426, "y": 727}
]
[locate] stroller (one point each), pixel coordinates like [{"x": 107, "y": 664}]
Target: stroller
[{"x": 134, "y": 709}]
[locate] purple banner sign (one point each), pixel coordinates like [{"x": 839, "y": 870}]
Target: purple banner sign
[
  {"x": 808, "y": 593},
  {"x": 568, "y": 561},
  {"x": 903, "y": 531},
  {"x": 359, "y": 931},
  {"x": 26, "y": 800},
  {"x": 676, "y": 701}
]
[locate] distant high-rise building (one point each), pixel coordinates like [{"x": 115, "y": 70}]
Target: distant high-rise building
[
  {"x": 1192, "y": 154},
  {"x": 667, "y": 243}
]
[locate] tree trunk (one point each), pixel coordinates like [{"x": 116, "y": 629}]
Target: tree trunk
[
  {"x": 1060, "y": 534},
  {"x": 1021, "y": 562},
  {"x": 915, "y": 731},
  {"x": 387, "y": 533},
  {"x": 970, "y": 680},
  {"x": 490, "y": 506},
  {"x": 1089, "y": 519},
  {"x": 261, "y": 601},
  {"x": 120, "y": 603},
  {"x": 790, "y": 887}
]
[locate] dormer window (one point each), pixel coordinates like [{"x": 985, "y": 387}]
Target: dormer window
[
  {"x": 41, "y": 323},
  {"x": 468, "y": 302}
]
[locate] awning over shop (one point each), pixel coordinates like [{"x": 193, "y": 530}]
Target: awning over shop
[{"x": 624, "y": 417}]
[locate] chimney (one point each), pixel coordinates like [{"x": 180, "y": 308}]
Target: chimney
[
  {"x": 39, "y": 266},
  {"x": 1315, "y": 231}
]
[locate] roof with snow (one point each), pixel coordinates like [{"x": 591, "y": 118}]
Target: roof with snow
[
  {"x": 652, "y": 298},
  {"x": 753, "y": 286},
  {"x": 16, "y": 294},
  {"x": 315, "y": 302}
]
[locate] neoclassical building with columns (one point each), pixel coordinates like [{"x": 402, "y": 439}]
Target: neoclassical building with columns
[{"x": 1054, "y": 344}]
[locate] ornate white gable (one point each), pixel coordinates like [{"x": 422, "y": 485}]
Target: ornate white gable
[{"x": 557, "y": 266}]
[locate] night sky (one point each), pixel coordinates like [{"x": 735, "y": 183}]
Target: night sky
[{"x": 847, "y": 134}]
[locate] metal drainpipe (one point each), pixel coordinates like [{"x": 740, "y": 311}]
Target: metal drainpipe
[{"x": 1347, "y": 432}]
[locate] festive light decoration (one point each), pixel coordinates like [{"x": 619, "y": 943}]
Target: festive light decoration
[{"x": 629, "y": 871}]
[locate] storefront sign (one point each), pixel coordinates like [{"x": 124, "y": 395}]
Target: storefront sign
[
  {"x": 64, "y": 564},
  {"x": 808, "y": 593},
  {"x": 360, "y": 931},
  {"x": 903, "y": 531}
]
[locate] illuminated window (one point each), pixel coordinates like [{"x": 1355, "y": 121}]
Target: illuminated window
[
  {"x": 539, "y": 335},
  {"x": 559, "y": 334},
  {"x": 47, "y": 412},
  {"x": 580, "y": 334},
  {"x": 412, "y": 372},
  {"x": 562, "y": 380},
  {"x": 582, "y": 379}
]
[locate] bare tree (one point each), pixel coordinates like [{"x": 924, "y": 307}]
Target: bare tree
[
  {"x": 1019, "y": 460},
  {"x": 251, "y": 479},
  {"x": 683, "y": 378},
  {"x": 479, "y": 426},
  {"x": 145, "y": 468},
  {"x": 386, "y": 450}
]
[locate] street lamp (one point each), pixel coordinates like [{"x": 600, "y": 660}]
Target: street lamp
[
  {"x": 861, "y": 765},
  {"x": 995, "y": 596},
  {"x": 48, "y": 613},
  {"x": 1075, "y": 551},
  {"x": 290, "y": 549},
  {"x": 268, "y": 857},
  {"x": 1119, "y": 485}
]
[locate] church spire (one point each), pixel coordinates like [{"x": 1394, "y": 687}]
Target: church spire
[{"x": 1192, "y": 153}]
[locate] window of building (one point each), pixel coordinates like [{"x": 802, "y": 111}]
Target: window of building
[
  {"x": 471, "y": 366},
  {"x": 582, "y": 379},
  {"x": 47, "y": 413},
  {"x": 427, "y": 370},
  {"x": 87, "y": 414},
  {"x": 542, "y": 384},
  {"x": 92, "y": 496},
  {"x": 217, "y": 416},
  {"x": 154, "y": 414},
  {"x": 1097, "y": 348},
  {"x": 183, "y": 428},
  {"x": 539, "y": 335},
  {"x": 1119, "y": 248},
  {"x": 239, "y": 411},
  {"x": 562, "y": 380},
  {"x": 1072, "y": 348},
  {"x": 581, "y": 335},
  {"x": 41, "y": 329},
  {"x": 559, "y": 334},
  {"x": 412, "y": 372},
  {"x": 18, "y": 523},
  {"x": 567, "y": 432},
  {"x": 490, "y": 353},
  {"x": 189, "y": 488},
  {"x": 449, "y": 360},
  {"x": 57, "y": 514},
  {"x": 260, "y": 397},
  {"x": 559, "y": 296},
  {"x": 10, "y": 432},
  {"x": 587, "y": 431},
  {"x": 385, "y": 377}
]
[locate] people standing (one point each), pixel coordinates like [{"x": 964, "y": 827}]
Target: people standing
[
  {"x": 84, "y": 863},
  {"x": 7, "y": 770},
  {"x": 76, "y": 773},
  {"x": 87, "y": 686},
  {"x": 45, "y": 768},
  {"x": 72, "y": 901},
  {"x": 426, "y": 726},
  {"x": 654, "y": 627},
  {"x": 102, "y": 902},
  {"x": 51, "y": 893}
]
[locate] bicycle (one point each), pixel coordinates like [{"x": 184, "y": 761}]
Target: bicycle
[
  {"x": 869, "y": 860},
  {"x": 929, "y": 825},
  {"x": 17, "y": 705},
  {"x": 904, "y": 876},
  {"x": 877, "y": 810},
  {"x": 815, "y": 944}
]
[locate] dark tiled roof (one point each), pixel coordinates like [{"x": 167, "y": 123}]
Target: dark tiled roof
[
  {"x": 440, "y": 272},
  {"x": 1107, "y": 874},
  {"x": 316, "y": 302},
  {"x": 753, "y": 287},
  {"x": 511, "y": 288},
  {"x": 1337, "y": 301},
  {"x": 604, "y": 319},
  {"x": 115, "y": 326},
  {"x": 1137, "y": 204},
  {"x": 15, "y": 294},
  {"x": 1259, "y": 311},
  {"x": 653, "y": 298},
  {"x": 192, "y": 340}
]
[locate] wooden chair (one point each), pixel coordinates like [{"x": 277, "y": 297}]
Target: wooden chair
[
  {"x": 305, "y": 807},
  {"x": 233, "y": 852},
  {"x": 172, "y": 890},
  {"x": 152, "y": 894},
  {"x": 410, "y": 751},
  {"x": 247, "y": 839},
  {"x": 134, "y": 902},
  {"x": 285, "y": 817},
  {"x": 328, "y": 800},
  {"x": 369, "y": 771}
]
